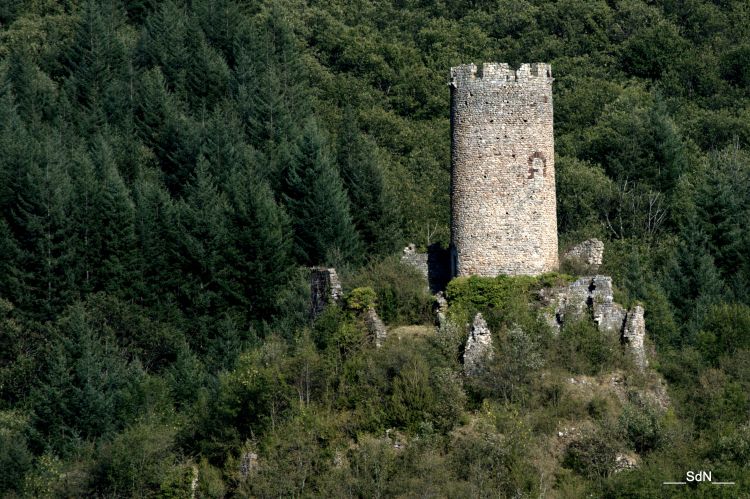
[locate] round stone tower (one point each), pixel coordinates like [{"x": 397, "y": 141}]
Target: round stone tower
[{"x": 503, "y": 204}]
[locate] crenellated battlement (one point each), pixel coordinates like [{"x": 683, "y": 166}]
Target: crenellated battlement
[{"x": 500, "y": 72}]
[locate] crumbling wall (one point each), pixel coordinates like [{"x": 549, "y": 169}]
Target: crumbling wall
[
  {"x": 633, "y": 334},
  {"x": 593, "y": 298},
  {"x": 478, "y": 346},
  {"x": 434, "y": 265},
  {"x": 325, "y": 288},
  {"x": 587, "y": 255}
]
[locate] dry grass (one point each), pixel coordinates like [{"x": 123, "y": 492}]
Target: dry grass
[{"x": 420, "y": 331}]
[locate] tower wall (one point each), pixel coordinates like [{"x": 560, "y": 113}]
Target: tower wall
[{"x": 503, "y": 204}]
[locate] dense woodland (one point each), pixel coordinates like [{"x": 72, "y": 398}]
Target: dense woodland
[{"x": 169, "y": 169}]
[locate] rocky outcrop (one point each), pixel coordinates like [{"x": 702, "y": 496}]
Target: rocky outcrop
[
  {"x": 375, "y": 326},
  {"x": 478, "y": 346},
  {"x": 325, "y": 289},
  {"x": 586, "y": 255},
  {"x": 633, "y": 334}
]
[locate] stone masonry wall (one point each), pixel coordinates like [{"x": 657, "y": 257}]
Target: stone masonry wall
[
  {"x": 325, "y": 288},
  {"x": 503, "y": 205}
]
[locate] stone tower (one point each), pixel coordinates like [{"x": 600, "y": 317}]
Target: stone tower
[{"x": 503, "y": 205}]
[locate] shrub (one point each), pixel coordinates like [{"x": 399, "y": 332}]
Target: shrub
[
  {"x": 592, "y": 456},
  {"x": 583, "y": 349},
  {"x": 15, "y": 457},
  {"x": 643, "y": 426},
  {"x": 504, "y": 300},
  {"x": 401, "y": 291},
  {"x": 361, "y": 298}
]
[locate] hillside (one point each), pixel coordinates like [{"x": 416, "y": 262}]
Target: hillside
[{"x": 169, "y": 171}]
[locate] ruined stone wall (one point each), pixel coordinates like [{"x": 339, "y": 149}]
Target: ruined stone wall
[
  {"x": 503, "y": 205},
  {"x": 325, "y": 288}
]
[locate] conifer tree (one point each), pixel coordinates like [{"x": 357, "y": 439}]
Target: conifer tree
[
  {"x": 115, "y": 225},
  {"x": 97, "y": 65},
  {"x": 317, "y": 202},
  {"x": 373, "y": 206},
  {"x": 156, "y": 234},
  {"x": 40, "y": 217},
  {"x": 84, "y": 217},
  {"x": 163, "y": 125},
  {"x": 202, "y": 238},
  {"x": 271, "y": 87},
  {"x": 259, "y": 253}
]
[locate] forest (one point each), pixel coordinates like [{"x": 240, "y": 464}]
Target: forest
[{"x": 169, "y": 170}]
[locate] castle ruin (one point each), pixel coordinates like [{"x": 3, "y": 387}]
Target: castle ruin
[{"x": 503, "y": 204}]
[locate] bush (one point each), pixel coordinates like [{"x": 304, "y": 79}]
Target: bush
[
  {"x": 15, "y": 457},
  {"x": 583, "y": 349},
  {"x": 361, "y": 299},
  {"x": 592, "y": 456},
  {"x": 401, "y": 291},
  {"x": 139, "y": 461},
  {"x": 504, "y": 300},
  {"x": 643, "y": 426}
]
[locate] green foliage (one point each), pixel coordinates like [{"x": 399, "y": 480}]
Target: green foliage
[
  {"x": 508, "y": 375},
  {"x": 592, "y": 456},
  {"x": 402, "y": 294},
  {"x": 361, "y": 299},
  {"x": 316, "y": 199},
  {"x": 643, "y": 425},
  {"x": 15, "y": 457},
  {"x": 494, "y": 463},
  {"x": 583, "y": 349},
  {"x": 139, "y": 462},
  {"x": 505, "y": 300},
  {"x": 724, "y": 331},
  {"x": 166, "y": 166}
]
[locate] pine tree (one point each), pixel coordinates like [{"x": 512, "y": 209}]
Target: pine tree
[
  {"x": 40, "y": 218},
  {"x": 271, "y": 87},
  {"x": 202, "y": 238},
  {"x": 694, "y": 283},
  {"x": 99, "y": 75},
  {"x": 34, "y": 91},
  {"x": 115, "y": 225},
  {"x": 259, "y": 253},
  {"x": 84, "y": 217},
  {"x": 161, "y": 122},
  {"x": 156, "y": 234},
  {"x": 373, "y": 206},
  {"x": 317, "y": 203}
]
